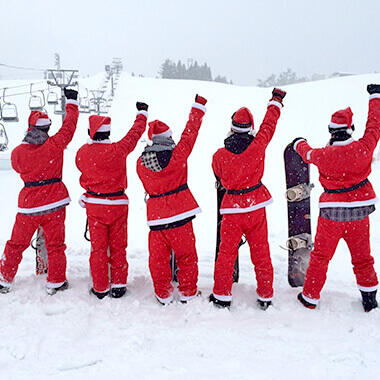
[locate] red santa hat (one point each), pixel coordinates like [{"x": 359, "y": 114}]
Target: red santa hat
[
  {"x": 38, "y": 119},
  {"x": 158, "y": 128},
  {"x": 99, "y": 124},
  {"x": 341, "y": 120},
  {"x": 242, "y": 120}
]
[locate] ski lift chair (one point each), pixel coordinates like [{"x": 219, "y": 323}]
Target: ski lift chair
[
  {"x": 52, "y": 98},
  {"x": 36, "y": 102},
  {"x": 92, "y": 107},
  {"x": 58, "y": 110},
  {"x": 9, "y": 110},
  {"x": 3, "y": 138},
  {"x": 84, "y": 103}
]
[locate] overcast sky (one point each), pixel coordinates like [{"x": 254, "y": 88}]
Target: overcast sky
[{"x": 241, "y": 39}]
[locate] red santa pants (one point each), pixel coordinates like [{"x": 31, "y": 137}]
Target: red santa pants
[
  {"x": 329, "y": 232},
  {"x": 25, "y": 226},
  {"x": 108, "y": 230},
  {"x": 182, "y": 241},
  {"x": 254, "y": 226}
]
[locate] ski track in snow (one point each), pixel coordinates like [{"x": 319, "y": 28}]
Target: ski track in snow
[{"x": 74, "y": 336}]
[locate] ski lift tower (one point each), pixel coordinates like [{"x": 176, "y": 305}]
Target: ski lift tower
[
  {"x": 62, "y": 78},
  {"x": 98, "y": 101}
]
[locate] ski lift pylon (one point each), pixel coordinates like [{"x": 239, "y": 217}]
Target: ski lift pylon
[{"x": 9, "y": 110}]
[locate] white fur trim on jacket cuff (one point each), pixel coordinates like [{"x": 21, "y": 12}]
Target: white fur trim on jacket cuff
[
  {"x": 274, "y": 103},
  {"x": 142, "y": 112},
  {"x": 374, "y": 96},
  {"x": 199, "y": 106},
  {"x": 72, "y": 101},
  {"x": 296, "y": 144}
]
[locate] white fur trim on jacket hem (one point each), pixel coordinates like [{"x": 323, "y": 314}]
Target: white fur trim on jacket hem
[
  {"x": 368, "y": 202},
  {"x": 296, "y": 144},
  {"x": 310, "y": 300},
  {"x": 374, "y": 96},
  {"x": 54, "y": 285},
  {"x": 166, "y": 301},
  {"x": 175, "y": 218},
  {"x": 62, "y": 202},
  {"x": 367, "y": 288},
  {"x": 72, "y": 101},
  {"x": 275, "y": 103},
  {"x": 199, "y": 106},
  {"x": 103, "y": 201},
  {"x": 245, "y": 209},
  {"x": 142, "y": 112},
  {"x": 222, "y": 298}
]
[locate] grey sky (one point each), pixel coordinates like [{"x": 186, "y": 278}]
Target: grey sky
[{"x": 241, "y": 39}]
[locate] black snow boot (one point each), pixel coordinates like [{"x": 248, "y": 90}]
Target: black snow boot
[
  {"x": 219, "y": 304},
  {"x": 100, "y": 295},
  {"x": 305, "y": 303},
  {"x": 4, "y": 289},
  {"x": 263, "y": 305},
  {"x": 52, "y": 291},
  {"x": 118, "y": 292},
  {"x": 369, "y": 300}
]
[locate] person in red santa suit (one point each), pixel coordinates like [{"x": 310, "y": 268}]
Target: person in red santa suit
[
  {"x": 42, "y": 200},
  {"x": 239, "y": 167},
  {"x": 162, "y": 169},
  {"x": 104, "y": 177},
  {"x": 348, "y": 198}
]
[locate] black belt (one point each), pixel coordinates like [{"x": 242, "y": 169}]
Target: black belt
[
  {"x": 115, "y": 194},
  {"x": 177, "y": 190},
  {"x": 42, "y": 182},
  {"x": 347, "y": 189},
  {"x": 244, "y": 191}
]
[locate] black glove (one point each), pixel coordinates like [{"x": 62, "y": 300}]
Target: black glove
[
  {"x": 373, "y": 89},
  {"x": 295, "y": 140},
  {"x": 141, "y": 106},
  {"x": 71, "y": 94},
  {"x": 278, "y": 93}
]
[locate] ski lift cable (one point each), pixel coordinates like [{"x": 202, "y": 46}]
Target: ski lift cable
[
  {"x": 22, "y": 85},
  {"x": 21, "y": 68}
]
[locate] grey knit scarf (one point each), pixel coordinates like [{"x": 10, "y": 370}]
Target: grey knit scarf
[{"x": 36, "y": 136}]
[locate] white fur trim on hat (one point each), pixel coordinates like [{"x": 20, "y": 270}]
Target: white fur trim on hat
[
  {"x": 167, "y": 133},
  {"x": 42, "y": 122},
  {"x": 336, "y": 126},
  {"x": 239, "y": 129},
  {"x": 104, "y": 128}
]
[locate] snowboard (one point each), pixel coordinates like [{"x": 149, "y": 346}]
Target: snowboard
[
  {"x": 220, "y": 191},
  {"x": 41, "y": 252},
  {"x": 299, "y": 243}
]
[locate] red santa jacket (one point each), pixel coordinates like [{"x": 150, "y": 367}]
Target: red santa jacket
[
  {"x": 180, "y": 205},
  {"x": 41, "y": 162},
  {"x": 103, "y": 165},
  {"x": 346, "y": 163},
  {"x": 245, "y": 170}
]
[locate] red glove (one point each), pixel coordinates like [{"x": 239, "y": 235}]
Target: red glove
[
  {"x": 278, "y": 95},
  {"x": 200, "y": 99}
]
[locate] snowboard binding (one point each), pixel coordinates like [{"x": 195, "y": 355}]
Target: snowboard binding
[
  {"x": 299, "y": 241},
  {"x": 299, "y": 192}
]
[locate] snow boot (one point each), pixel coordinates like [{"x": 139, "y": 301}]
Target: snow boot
[
  {"x": 218, "y": 303},
  {"x": 369, "y": 300},
  {"x": 263, "y": 305},
  {"x": 305, "y": 303},
  {"x": 52, "y": 291},
  {"x": 4, "y": 289},
  {"x": 164, "y": 302},
  {"x": 100, "y": 295},
  {"x": 118, "y": 292}
]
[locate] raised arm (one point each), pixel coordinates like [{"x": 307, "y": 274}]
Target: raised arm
[
  {"x": 65, "y": 134},
  {"x": 190, "y": 133},
  {"x": 372, "y": 130},
  {"x": 268, "y": 126},
  {"x": 130, "y": 140}
]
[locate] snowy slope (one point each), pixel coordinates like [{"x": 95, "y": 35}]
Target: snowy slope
[{"x": 74, "y": 336}]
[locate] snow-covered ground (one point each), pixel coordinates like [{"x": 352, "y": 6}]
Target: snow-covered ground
[{"x": 74, "y": 336}]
